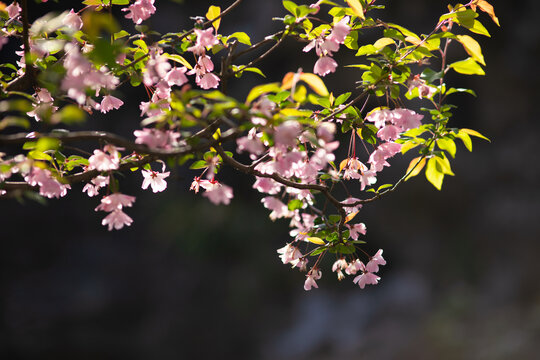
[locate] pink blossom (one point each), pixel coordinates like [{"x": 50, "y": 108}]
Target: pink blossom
[
  {"x": 162, "y": 91},
  {"x": 326, "y": 131},
  {"x": 407, "y": 119},
  {"x": 176, "y": 76},
  {"x": 219, "y": 194},
  {"x": 208, "y": 81},
  {"x": 155, "y": 180},
  {"x": 13, "y": 10},
  {"x": 157, "y": 68},
  {"x": 109, "y": 103},
  {"x": 92, "y": 188},
  {"x": 355, "y": 266},
  {"x": 289, "y": 254},
  {"x": 380, "y": 117},
  {"x": 325, "y": 65},
  {"x": 205, "y": 38},
  {"x": 251, "y": 143},
  {"x": 356, "y": 229},
  {"x": 351, "y": 209},
  {"x": 48, "y": 185},
  {"x": 376, "y": 260},
  {"x": 267, "y": 185},
  {"x": 140, "y": 10},
  {"x": 366, "y": 278},
  {"x": 43, "y": 96},
  {"x": 115, "y": 201},
  {"x": 73, "y": 20},
  {"x": 287, "y": 133},
  {"x": 367, "y": 178},
  {"x": 154, "y": 138},
  {"x": 389, "y": 132},
  {"x": 338, "y": 266},
  {"x": 311, "y": 276},
  {"x": 117, "y": 219},
  {"x": 278, "y": 208},
  {"x": 340, "y": 31},
  {"x": 104, "y": 162}
]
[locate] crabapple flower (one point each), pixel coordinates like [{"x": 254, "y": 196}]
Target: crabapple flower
[
  {"x": 109, "y": 103},
  {"x": 13, "y": 10},
  {"x": 340, "y": 31},
  {"x": 338, "y": 266},
  {"x": 92, "y": 188},
  {"x": 208, "y": 81},
  {"x": 205, "y": 38},
  {"x": 176, "y": 76},
  {"x": 219, "y": 193},
  {"x": 289, "y": 254},
  {"x": 356, "y": 229},
  {"x": 324, "y": 66},
  {"x": 267, "y": 185},
  {"x": 311, "y": 276},
  {"x": 104, "y": 162},
  {"x": 287, "y": 133},
  {"x": 115, "y": 201},
  {"x": 366, "y": 278},
  {"x": 140, "y": 10},
  {"x": 48, "y": 185},
  {"x": 278, "y": 208},
  {"x": 155, "y": 180},
  {"x": 117, "y": 219},
  {"x": 376, "y": 260},
  {"x": 155, "y": 138},
  {"x": 73, "y": 20},
  {"x": 407, "y": 119}
]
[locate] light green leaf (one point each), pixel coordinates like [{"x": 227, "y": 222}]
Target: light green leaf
[
  {"x": 434, "y": 173},
  {"x": 468, "y": 67}
]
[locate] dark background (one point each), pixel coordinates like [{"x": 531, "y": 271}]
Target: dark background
[{"x": 191, "y": 280}]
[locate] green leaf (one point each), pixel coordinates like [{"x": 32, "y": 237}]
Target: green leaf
[
  {"x": 45, "y": 143},
  {"x": 39, "y": 155},
  {"x": 468, "y": 67},
  {"x": 473, "y": 133},
  {"x": 261, "y": 90},
  {"x": 434, "y": 173},
  {"x": 120, "y": 2},
  {"x": 213, "y": 12},
  {"x": 290, "y": 6},
  {"x": 69, "y": 114},
  {"x": 295, "y": 204},
  {"x": 199, "y": 164},
  {"x": 242, "y": 37},
  {"x": 14, "y": 121},
  {"x": 120, "y": 34},
  {"x": 472, "y": 47},
  {"x": 179, "y": 59},
  {"x": 448, "y": 145},
  {"x": 466, "y": 140}
]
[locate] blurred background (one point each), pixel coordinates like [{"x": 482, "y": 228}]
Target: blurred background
[{"x": 192, "y": 280}]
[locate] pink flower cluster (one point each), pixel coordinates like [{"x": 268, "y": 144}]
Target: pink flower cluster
[
  {"x": 113, "y": 204},
  {"x": 204, "y": 67},
  {"x": 140, "y": 10},
  {"x": 367, "y": 272},
  {"x": 325, "y": 46},
  {"x": 216, "y": 192},
  {"x": 48, "y": 185}
]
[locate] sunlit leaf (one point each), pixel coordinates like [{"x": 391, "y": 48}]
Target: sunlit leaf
[
  {"x": 416, "y": 165},
  {"x": 357, "y": 8},
  {"x": 468, "y": 67},
  {"x": 213, "y": 12},
  {"x": 316, "y": 240},
  {"x": 472, "y": 47}
]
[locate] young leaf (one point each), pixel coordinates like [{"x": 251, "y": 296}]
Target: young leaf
[
  {"x": 434, "y": 173},
  {"x": 213, "y": 12},
  {"x": 468, "y": 67},
  {"x": 316, "y": 240},
  {"x": 472, "y": 47},
  {"x": 415, "y": 166},
  {"x": 357, "y": 8}
]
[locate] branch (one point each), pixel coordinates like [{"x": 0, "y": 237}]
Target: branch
[{"x": 118, "y": 141}]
